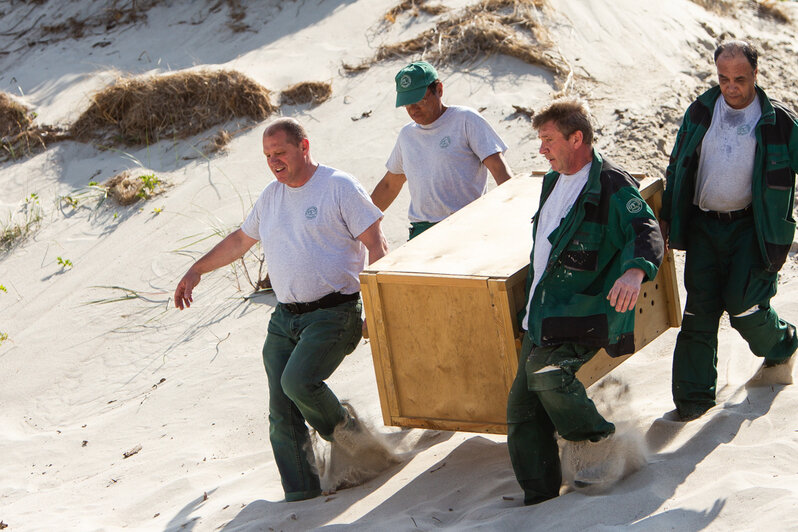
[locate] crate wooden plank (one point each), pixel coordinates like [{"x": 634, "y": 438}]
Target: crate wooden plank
[{"x": 491, "y": 237}]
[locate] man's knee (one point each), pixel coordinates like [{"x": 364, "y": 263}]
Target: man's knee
[
  {"x": 549, "y": 378},
  {"x": 296, "y": 386},
  {"x": 700, "y": 323}
]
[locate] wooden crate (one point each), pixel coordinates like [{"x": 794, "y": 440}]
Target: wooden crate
[{"x": 442, "y": 309}]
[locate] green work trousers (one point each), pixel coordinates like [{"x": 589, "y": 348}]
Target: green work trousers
[
  {"x": 723, "y": 271},
  {"x": 546, "y": 397},
  {"x": 416, "y": 228},
  {"x": 300, "y": 352}
]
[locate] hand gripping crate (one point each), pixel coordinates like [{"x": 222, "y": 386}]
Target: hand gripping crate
[{"x": 442, "y": 313}]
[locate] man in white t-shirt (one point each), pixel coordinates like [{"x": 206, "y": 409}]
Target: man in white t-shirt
[
  {"x": 444, "y": 154},
  {"x": 729, "y": 204},
  {"x": 315, "y": 224}
]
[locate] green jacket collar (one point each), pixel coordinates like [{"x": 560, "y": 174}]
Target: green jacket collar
[{"x": 709, "y": 98}]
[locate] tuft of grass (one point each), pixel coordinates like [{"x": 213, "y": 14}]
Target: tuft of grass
[
  {"x": 217, "y": 143},
  {"x": 64, "y": 263},
  {"x": 3, "y": 288},
  {"x": 127, "y": 189},
  {"x": 312, "y": 92},
  {"x": 22, "y": 223},
  {"x": 3, "y": 337},
  {"x": 141, "y": 111},
  {"x": 415, "y": 7},
  {"x": 508, "y": 27},
  {"x": 773, "y": 10},
  {"x": 20, "y": 136}
]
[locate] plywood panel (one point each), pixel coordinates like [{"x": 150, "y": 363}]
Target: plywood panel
[
  {"x": 444, "y": 346},
  {"x": 491, "y": 237}
]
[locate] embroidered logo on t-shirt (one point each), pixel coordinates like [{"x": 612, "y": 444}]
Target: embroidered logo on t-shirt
[
  {"x": 445, "y": 142},
  {"x": 311, "y": 213},
  {"x": 634, "y": 205},
  {"x": 405, "y": 81},
  {"x": 744, "y": 129}
]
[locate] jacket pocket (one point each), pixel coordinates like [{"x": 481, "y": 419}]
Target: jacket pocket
[
  {"x": 779, "y": 175},
  {"x": 582, "y": 253}
]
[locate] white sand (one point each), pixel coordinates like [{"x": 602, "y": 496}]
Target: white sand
[{"x": 81, "y": 384}]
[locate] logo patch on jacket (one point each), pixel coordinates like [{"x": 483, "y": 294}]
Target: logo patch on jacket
[{"x": 634, "y": 205}]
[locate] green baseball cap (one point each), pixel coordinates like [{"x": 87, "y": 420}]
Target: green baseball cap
[{"x": 412, "y": 82}]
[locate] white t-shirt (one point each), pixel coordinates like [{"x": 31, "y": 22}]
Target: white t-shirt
[
  {"x": 309, "y": 234},
  {"x": 443, "y": 162},
  {"x": 726, "y": 165},
  {"x": 557, "y": 207}
]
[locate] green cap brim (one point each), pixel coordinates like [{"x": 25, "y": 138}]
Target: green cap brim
[{"x": 411, "y": 96}]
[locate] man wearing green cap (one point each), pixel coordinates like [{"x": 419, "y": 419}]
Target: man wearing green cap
[{"x": 444, "y": 154}]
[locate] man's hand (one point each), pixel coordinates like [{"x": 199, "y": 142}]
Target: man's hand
[
  {"x": 185, "y": 287},
  {"x": 665, "y": 229},
  {"x": 623, "y": 294}
]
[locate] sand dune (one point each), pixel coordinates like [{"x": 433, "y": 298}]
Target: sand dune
[{"x": 97, "y": 363}]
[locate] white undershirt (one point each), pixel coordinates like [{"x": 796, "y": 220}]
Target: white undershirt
[
  {"x": 556, "y": 207},
  {"x": 726, "y": 165}
]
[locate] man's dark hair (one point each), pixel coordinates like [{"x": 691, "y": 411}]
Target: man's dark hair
[
  {"x": 292, "y": 129},
  {"x": 569, "y": 115},
  {"x": 735, "y": 47}
]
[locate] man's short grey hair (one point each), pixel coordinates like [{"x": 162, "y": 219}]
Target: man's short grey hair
[
  {"x": 569, "y": 115},
  {"x": 293, "y": 130},
  {"x": 738, "y": 47}
]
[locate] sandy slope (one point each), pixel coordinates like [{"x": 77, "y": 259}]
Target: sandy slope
[{"x": 81, "y": 384}]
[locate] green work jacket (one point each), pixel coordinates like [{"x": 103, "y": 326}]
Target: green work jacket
[
  {"x": 773, "y": 180},
  {"x": 609, "y": 230}
]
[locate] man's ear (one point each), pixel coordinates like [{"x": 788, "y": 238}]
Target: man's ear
[
  {"x": 576, "y": 139},
  {"x": 305, "y": 145}
]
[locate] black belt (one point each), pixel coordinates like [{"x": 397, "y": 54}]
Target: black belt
[
  {"x": 728, "y": 216},
  {"x": 330, "y": 300}
]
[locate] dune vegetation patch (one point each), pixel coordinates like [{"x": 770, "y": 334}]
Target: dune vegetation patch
[
  {"x": 21, "y": 223},
  {"x": 20, "y": 136},
  {"x": 126, "y": 188},
  {"x": 104, "y": 17},
  {"x": 510, "y": 27},
  {"x": 415, "y": 7},
  {"x": 312, "y": 92},
  {"x": 141, "y": 111},
  {"x": 772, "y": 9}
]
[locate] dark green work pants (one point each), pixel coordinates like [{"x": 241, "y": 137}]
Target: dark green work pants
[
  {"x": 416, "y": 228},
  {"x": 300, "y": 352},
  {"x": 723, "y": 271},
  {"x": 546, "y": 397}
]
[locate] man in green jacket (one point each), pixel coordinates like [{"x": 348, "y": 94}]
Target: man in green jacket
[
  {"x": 595, "y": 242},
  {"x": 728, "y": 203}
]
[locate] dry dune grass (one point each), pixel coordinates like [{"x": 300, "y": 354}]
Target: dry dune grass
[
  {"x": 145, "y": 110},
  {"x": 13, "y": 116},
  {"x": 108, "y": 15},
  {"x": 509, "y": 27},
  {"x": 312, "y": 92},
  {"x": 764, "y": 8},
  {"x": 19, "y": 135},
  {"x": 772, "y": 9},
  {"x": 414, "y": 6}
]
